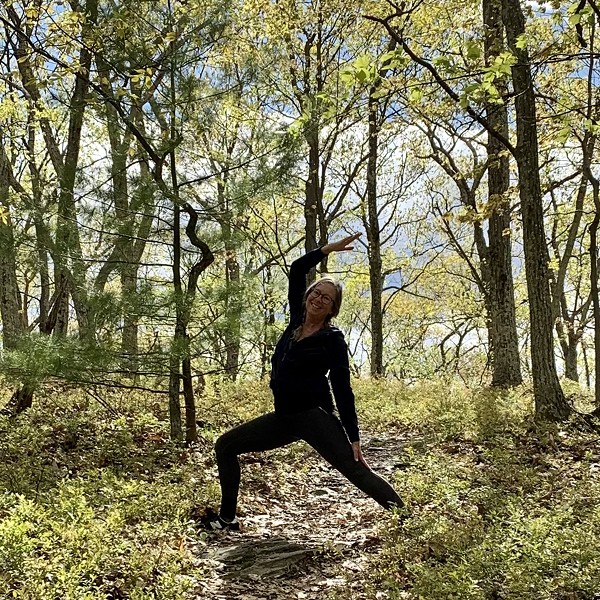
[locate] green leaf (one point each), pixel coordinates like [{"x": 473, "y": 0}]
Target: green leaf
[
  {"x": 361, "y": 75},
  {"x": 473, "y": 50},
  {"x": 415, "y": 96},
  {"x": 563, "y": 135},
  {"x": 348, "y": 76},
  {"x": 443, "y": 62},
  {"x": 363, "y": 62},
  {"x": 521, "y": 41},
  {"x": 393, "y": 60}
]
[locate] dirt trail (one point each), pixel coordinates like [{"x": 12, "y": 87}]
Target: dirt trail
[{"x": 300, "y": 548}]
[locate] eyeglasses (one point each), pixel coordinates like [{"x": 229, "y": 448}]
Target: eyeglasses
[{"x": 325, "y": 299}]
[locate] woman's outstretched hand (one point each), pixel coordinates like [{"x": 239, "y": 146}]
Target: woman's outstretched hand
[
  {"x": 358, "y": 455},
  {"x": 341, "y": 245}
]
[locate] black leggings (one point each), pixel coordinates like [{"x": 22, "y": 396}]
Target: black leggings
[{"x": 322, "y": 430}]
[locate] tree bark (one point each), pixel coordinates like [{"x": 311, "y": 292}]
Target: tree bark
[
  {"x": 594, "y": 291},
  {"x": 497, "y": 262},
  {"x": 549, "y": 398},
  {"x": 312, "y": 188},
  {"x": 71, "y": 266},
  {"x": 191, "y": 432},
  {"x": 10, "y": 296},
  {"x": 373, "y": 240},
  {"x": 233, "y": 302}
]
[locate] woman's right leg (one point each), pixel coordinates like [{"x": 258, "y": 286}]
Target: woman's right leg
[{"x": 263, "y": 433}]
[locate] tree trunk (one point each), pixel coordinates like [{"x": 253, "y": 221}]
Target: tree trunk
[
  {"x": 594, "y": 282},
  {"x": 191, "y": 432},
  {"x": 10, "y": 296},
  {"x": 71, "y": 264},
  {"x": 233, "y": 301},
  {"x": 570, "y": 354},
  {"x": 178, "y": 335},
  {"x": 373, "y": 238},
  {"x": 312, "y": 190},
  {"x": 595, "y": 297},
  {"x": 550, "y": 402},
  {"x": 129, "y": 337},
  {"x": 233, "y": 312},
  {"x": 42, "y": 237},
  {"x": 497, "y": 270}
]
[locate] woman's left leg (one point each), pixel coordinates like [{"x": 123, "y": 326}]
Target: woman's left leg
[{"x": 324, "y": 432}]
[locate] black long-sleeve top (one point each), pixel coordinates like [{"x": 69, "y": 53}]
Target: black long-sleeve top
[{"x": 300, "y": 369}]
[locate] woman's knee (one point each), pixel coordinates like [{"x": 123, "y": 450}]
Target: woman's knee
[{"x": 223, "y": 445}]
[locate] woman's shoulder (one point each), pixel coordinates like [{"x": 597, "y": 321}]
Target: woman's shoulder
[{"x": 335, "y": 334}]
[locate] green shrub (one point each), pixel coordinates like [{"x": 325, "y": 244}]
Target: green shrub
[
  {"x": 442, "y": 408},
  {"x": 493, "y": 521},
  {"x": 96, "y": 506},
  {"x": 69, "y": 549}
]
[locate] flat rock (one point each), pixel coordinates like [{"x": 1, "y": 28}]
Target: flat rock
[{"x": 260, "y": 558}]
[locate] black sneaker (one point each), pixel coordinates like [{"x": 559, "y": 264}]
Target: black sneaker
[{"x": 211, "y": 521}]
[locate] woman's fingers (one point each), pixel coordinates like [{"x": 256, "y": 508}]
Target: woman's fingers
[
  {"x": 343, "y": 244},
  {"x": 358, "y": 455}
]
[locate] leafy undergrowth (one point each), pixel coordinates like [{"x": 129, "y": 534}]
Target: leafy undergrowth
[
  {"x": 95, "y": 505},
  {"x": 497, "y": 506}
]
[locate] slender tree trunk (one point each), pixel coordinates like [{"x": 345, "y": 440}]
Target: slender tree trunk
[
  {"x": 179, "y": 346},
  {"x": 233, "y": 313},
  {"x": 586, "y": 367},
  {"x": 178, "y": 335},
  {"x": 550, "y": 402},
  {"x": 233, "y": 303},
  {"x": 497, "y": 264},
  {"x": 570, "y": 353},
  {"x": 595, "y": 302},
  {"x": 373, "y": 240},
  {"x": 42, "y": 238},
  {"x": 594, "y": 291},
  {"x": 10, "y": 296},
  {"x": 191, "y": 432},
  {"x": 564, "y": 323},
  {"x": 129, "y": 337},
  {"x": 67, "y": 231},
  {"x": 312, "y": 189},
  {"x": 124, "y": 245}
]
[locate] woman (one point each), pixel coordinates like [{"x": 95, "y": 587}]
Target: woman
[{"x": 310, "y": 349}]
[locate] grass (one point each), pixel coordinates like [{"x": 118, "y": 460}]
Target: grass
[{"x": 96, "y": 506}]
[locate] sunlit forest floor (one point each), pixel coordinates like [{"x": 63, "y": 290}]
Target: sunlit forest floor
[{"x": 97, "y": 503}]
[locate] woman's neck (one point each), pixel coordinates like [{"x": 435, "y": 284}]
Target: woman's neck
[{"x": 312, "y": 324}]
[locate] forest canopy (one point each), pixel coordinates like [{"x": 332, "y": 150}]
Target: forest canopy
[{"x": 163, "y": 162}]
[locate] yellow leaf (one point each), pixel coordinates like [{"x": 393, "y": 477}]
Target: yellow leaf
[{"x": 4, "y": 215}]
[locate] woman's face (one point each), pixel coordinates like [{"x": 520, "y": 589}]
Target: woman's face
[{"x": 319, "y": 303}]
